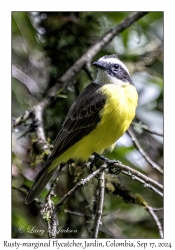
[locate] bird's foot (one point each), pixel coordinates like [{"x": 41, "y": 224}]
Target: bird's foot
[{"x": 112, "y": 168}]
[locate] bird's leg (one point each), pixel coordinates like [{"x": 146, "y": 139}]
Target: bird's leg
[
  {"x": 112, "y": 169},
  {"x": 94, "y": 162}
]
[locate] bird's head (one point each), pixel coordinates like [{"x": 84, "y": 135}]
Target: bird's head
[{"x": 112, "y": 70}]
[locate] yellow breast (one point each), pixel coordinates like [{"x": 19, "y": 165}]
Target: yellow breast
[
  {"x": 116, "y": 116},
  {"x": 120, "y": 108}
]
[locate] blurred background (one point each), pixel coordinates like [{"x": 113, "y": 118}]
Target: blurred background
[{"x": 44, "y": 46}]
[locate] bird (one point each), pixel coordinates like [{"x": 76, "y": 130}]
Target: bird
[{"x": 99, "y": 116}]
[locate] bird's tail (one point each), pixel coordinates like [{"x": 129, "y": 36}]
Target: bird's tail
[{"x": 40, "y": 182}]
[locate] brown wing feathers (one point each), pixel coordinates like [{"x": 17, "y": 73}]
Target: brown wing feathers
[{"x": 82, "y": 118}]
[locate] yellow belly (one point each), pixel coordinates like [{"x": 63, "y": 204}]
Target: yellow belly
[{"x": 117, "y": 115}]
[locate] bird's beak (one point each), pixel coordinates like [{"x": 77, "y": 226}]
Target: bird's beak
[{"x": 99, "y": 64}]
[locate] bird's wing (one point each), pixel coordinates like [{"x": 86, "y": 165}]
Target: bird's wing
[
  {"x": 82, "y": 118},
  {"x": 40, "y": 182}
]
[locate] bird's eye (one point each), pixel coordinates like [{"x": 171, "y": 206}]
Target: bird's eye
[{"x": 116, "y": 66}]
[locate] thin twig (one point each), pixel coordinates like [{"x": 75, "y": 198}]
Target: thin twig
[
  {"x": 88, "y": 71},
  {"x": 137, "y": 176},
  {"x": 142, "y": 65},
  {"x": 48, "y": 210},
  {"x": 153, "y": 132},
  {"x": 99, "y": 205},
  {"x": 142, "y": 202},
  {"x": 157, "y": 209},
  {"x": 17, "y": 121},
  {"x": 145, "y": 127},
  {"x": 22, "y": 190},
  {"x": 143, "y": 153},
  {"x": 36, "y": 114},
  {"x": 78, "y": 213},
  {"x": 156, "y": 219},
  {"x": 78, "y": 185}
]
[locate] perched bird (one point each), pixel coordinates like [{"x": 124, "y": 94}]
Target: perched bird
[{"x": 96, "y": 120}]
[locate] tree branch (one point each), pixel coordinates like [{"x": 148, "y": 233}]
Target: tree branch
[
  {"x": 78, "y": 213},
  {"x": 40, "y": 132},
  {"x": 140, "y": 127},
  {"x": 78, "y": 185},
  {"x": 52, "y": 210},
  {"x": 47, "y": 212},
  {"x": 143, "y": 153},
  {"x": 22, "y": 118},
  {"x": 157, "y": 209},
  {"x": 136, "y": 175},
  {"x": 25, "y": 79},
  {"x": 49, "y": 207},
  {"x": 88, "y": 71},
  {"x": 156, "y": 219},
  {"x": 154, "y": 53},
  {"x": 100, "y": 201},
  {"x": 151, "y": 211}
]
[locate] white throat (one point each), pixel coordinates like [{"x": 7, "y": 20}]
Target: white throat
[{"x": 104, "y": 78}]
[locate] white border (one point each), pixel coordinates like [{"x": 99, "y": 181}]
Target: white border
[{"x": 5, "y": 93}]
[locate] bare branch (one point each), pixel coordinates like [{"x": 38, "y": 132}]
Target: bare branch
[
  {"x": 36, "y": 114},
  {"x": 42, "y": 143},
  {"x": 78, "y": 213},
  {"x": 17, "y": 121},
  {"x": 154, "y": 52},
  {"x": 88, "y": 71},
  {"x": 22, "y": 190},
  {"x": 78, "y": 185},
  {"x": 48, "y": 212},
  {"x": 157, "y": 209},
  {"x": 151, "y": 211},
  {"x": 25, "y": 79},
  {"x": 99, "y": 205},
  {"x": 142, "y": 126},
  {"x": 156, "y": 219},
  {"x": 152, "y": 131},
  {"x": 143, "y": 153},
  {"x": 137, "y": 176}
]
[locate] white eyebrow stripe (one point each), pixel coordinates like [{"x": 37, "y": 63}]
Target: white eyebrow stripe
[{"x": 115, "y": 61}]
